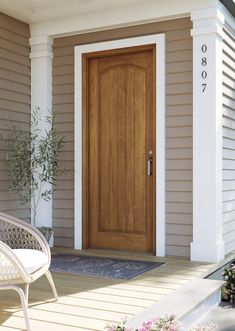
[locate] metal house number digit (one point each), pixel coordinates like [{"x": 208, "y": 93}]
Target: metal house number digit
[{"x": 204, "y": 65}]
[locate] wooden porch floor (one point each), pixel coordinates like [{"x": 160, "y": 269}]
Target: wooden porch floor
[{"x": 87, "y": 303}]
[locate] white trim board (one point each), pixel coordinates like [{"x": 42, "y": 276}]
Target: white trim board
[{"x": 159, "y": 40}]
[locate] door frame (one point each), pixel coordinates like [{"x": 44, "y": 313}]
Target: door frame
[{"x": 159, "y": 41}]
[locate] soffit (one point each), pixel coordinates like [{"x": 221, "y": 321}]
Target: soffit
[{"x": 35, "y": 11}]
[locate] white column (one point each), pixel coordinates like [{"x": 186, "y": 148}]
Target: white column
[
  {"x": 41, "y": 96},
  {"x": 207, "y": 242}
]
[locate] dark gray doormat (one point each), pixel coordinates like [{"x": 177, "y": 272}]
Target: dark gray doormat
[{"x": 100, "y": 266}]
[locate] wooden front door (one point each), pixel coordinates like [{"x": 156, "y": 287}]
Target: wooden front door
[{"x": 119, "y": 149}]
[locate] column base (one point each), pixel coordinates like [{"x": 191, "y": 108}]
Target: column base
[{"x": 208, "y": 252}]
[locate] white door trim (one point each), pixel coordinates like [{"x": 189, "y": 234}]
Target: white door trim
[{"x": 159, "y": 40}]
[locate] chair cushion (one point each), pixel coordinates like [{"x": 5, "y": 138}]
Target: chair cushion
[{"x": 31, "y": 259}]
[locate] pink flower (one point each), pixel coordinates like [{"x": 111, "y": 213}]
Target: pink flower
[{"x": 148, "y": 324}]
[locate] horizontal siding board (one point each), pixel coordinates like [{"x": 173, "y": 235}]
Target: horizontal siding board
[
  {"x": 175, "y": 78},
  {"x": 183, "y": 251},
  {"x": 64, "y": 60},
  {"x": 229, "y": 236},
  {"x": 228, "y": 71},
  {"x": 229, "y": 164},
  {"x": 14, "y": 86},
  {"x": 63, "y": 242},
  {"x": 229, "y": 247},
  {"x": 13, "y": 77},
  {"x": 178, "y": 67},
  {"x": 182, "y": 142},
  {"x": 228, "y": 55},
  {"x": 11, "y": 24},
  {"x": 229, "y": 140},
  {"x": 228, "y": 91},
  {"x": 178, "y": 132},
  {"x": 179, "y": 153},
  {"x": 179, "y": 175},
  {"x": 13, "y": 47},
  {"x": 229, "y": 133},
  {"x": 229, "y": 81},
  {"x": 63, "y": 89},
  {"x": 63, "y": 70},
  {"x": 14, "y": 100},
  {"x": 178, "y": 122},
  {"x": 64, "y": 232},
  {"x": 14, "y": 37},
  {"x": 229, "y": 216},
  {"x": 179, "y": 240},
  {"x": 16, "y": 58},
  {"x": 176, "y": 89},
  {"x": 185, "y": 44},
  {"x": 229, "y": 195},
  {"x": 176, "y": 110},
  {"x": 179, "y": 229},
  {"x": 14, "y": 67},
  {"x": 138, "y": 30},
  {"x": 64, "y": 223},
  {"x": 62, "y": 213},
  {"x": 65, "y": 79},
  {"x": 63, "y": 98},
  {"x": 178, "y": 34},
  {"x": 174, "y": 207},
  {"x": 179, "y": 218},
  {"x": 228, "y": 59},
  {"x": 228, "y": 185},
  {"x": 179, "y": 186},
  {"x": 181, "y": 99},
  {"x": 179, "y": 164},
  {"x": 17, "y": 97},
  {"x": 179, "y": 196},
  {"x": 228, "y": 175},
  {"x": 229, "y": 226},
  {"x": 179, "y": 56},
  {"x": 228, "y": 113}
]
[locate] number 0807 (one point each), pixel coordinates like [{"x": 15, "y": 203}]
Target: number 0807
[{"x": 204, "y": 65}]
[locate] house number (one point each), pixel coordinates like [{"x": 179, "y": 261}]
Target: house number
[{"x": 204, "y": 67}]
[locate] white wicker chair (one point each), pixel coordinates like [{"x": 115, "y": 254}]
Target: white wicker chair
[{"x": 24, "y": 257}]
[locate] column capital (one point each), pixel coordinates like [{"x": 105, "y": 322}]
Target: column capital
[
  {"x": 207, "y": 21},
  {"x": 41, "y": 46}
]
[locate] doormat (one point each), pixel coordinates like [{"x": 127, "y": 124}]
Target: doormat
[{"x": 100, "y": 266}]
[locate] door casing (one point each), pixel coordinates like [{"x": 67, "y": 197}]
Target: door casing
[{"x": 80, "y": 142}]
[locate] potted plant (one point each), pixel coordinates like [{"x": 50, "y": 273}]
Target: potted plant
[{"x": 33, "y": 162}]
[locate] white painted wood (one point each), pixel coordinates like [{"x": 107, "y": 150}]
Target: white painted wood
[
  {"x": 207, "y": 242},
  {"x": 159, "y": 40},
  {"x": 41, "y": 96},
  {"x": 188, "y": 303},
  {"x": 136, "y": 13}
]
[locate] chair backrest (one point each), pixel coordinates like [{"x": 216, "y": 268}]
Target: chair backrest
[{"x": 18, "y": 234}]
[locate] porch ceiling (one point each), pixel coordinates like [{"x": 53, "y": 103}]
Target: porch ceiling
[{"x": 35, "y": 11}]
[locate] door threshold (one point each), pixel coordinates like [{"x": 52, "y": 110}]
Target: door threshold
[{"x": 108, "y": 253}]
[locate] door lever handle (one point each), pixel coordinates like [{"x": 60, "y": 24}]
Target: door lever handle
[{"x": 150, "y": 165}]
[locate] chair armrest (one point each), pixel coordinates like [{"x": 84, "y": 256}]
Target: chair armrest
[{"x": 18, "y": 234}]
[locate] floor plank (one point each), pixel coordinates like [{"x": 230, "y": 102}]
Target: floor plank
[{"x": 88, "y": 303}]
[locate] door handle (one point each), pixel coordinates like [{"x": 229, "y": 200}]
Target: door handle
[{"x": 150, "y": 163}]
